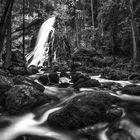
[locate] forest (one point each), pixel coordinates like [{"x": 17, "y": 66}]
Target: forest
[{"x": 69, "y": 69}]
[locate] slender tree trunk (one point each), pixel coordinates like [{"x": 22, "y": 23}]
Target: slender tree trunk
[
  {"x": 7, "y": 62},
  {"x": 77, "y": 31},
  {"x": 84, "y": 13},
  {"x": 23, "y": 39},
  {"x": 92, "y": 12},
  {"x": 133, "y": 30},
  {"x": 4, "y": 21}
]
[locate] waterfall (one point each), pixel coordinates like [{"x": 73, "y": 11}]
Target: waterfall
[{"x": 40, "y": 52}]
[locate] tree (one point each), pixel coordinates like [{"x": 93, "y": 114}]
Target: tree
[
  {"x": 4, "y": 21},
  {"x": 133, "y": 30}
]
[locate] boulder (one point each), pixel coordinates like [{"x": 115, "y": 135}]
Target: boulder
[
  {"x": 53, "y": 78},
  {"x": 86, "y": 84},
  {"x": 83, "y": 110},
  {"x": 22, "y": 98},
  {"x": 44, "y": 79},
  {"x": 75, "y": 76},
  {"x": 32, "y": 70},
  {"x": 19, "y": 80},
  {"x": 5, "y": 84},
  {"x": 131, "y": 90},
  {"x": 64, "y": 74}
]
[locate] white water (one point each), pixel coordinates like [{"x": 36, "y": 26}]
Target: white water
[
  {"x": 28, "y": 125},
  {"x": 121, "y": 82},
  {"x": 39, "y": 54}
]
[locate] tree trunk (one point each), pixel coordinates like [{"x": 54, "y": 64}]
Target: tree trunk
[
  {"x": 133, "y": 30},
  {"x": 77, "y": 31},
  {"x": 23, "y": 39},
  {"x": 7, "y": 61},
  {"x": 84, "y": 13},
  {"x": 4, "y": 21},
  {"x": 92, "y": 12}
]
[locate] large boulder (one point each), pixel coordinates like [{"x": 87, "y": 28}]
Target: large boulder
[
  {"x": 22, "y": 80},
  {"x": 22, "y": 98},
  {"x": 83, "y": 110}
]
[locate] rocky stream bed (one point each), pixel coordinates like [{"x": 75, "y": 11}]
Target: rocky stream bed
[{"x": 68, "y": 106}]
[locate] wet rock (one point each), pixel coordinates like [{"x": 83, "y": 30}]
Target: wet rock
[
  {"x": 83, "y": 110},
  {"x": 131, "y": 90},
  {"x": 91, "y": 132},
  {"x": 5, "y": 84},
  {"x": 111, "y": 85},
  {"x": 63, "y": 85},
  {"x": 18, "y": 80},
  {"x": 21, "y": 98},
  {"x": 43, "y": 79},
  {"x": 64, "y": 74},
  {"x": 86, "y": 84},
  {"x": 32, "y": 70},
  {"x": 114, "y": 112},
  {"x": 75, "y": 76},
  {"x": 53, "y": 78},
  {"x": 120, "y": 134},
  {"x": 64, "y": 80}
]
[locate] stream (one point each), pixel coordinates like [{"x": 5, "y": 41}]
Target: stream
[{"x": 33, "y": 125}]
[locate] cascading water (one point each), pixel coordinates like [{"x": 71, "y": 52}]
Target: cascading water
[
  {"x": 40, "y": 52},
  {"x": 27, "y": 124}
]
